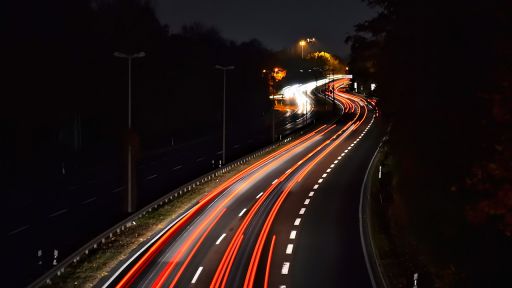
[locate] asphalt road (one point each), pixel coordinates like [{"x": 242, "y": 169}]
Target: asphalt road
[
  {"x": 291, "y": 219},
  {"x": 327, "y": 248},
  {"x": 55, "y": 215}
]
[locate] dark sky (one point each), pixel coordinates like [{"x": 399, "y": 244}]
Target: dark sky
[{"x": 277, "y": 23}]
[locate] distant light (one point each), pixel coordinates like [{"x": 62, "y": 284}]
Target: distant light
[
  {"x": 302, "y": 43},
  {"x": 372, "y": 86}
]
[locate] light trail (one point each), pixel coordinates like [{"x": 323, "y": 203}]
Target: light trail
[
  {"x": 249, "y": 175},
  {"x": 172, "y": 264},
  {"x": 269, "y": 261},
  {"x": 133, "y": 273},
  {"x": 221, "y": 275},
  {"x": 222, "y": 271},
  {"x": 251, "y": 272}
]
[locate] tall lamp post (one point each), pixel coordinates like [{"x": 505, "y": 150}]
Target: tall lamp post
[
  {"x": 302, "y": 43},
  {"x": 131, "y": 184},
  {"x": 224, "y": 69}
]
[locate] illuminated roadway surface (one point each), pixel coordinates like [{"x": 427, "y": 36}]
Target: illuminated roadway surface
[
  {"x": 290, "y": 219},
  {"x": 301, "y": 97}
]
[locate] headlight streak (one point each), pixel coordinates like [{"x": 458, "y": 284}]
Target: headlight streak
[
  {"x": 172, "y": 264},
  {"x": 219, "y": 279},
  {"x": 193, "y": 241},
  {"x": 132, "y": 274},
  {"x": 251, "y": 272},
  {"x": 222, "y": 272}
]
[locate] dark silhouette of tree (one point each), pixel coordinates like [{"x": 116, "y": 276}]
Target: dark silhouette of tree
[
  {"x": 443, "y": 78},
  {"x": 64, "y": 101}
]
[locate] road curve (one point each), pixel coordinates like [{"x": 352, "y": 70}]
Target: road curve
[{"x": 256, "y": 228}]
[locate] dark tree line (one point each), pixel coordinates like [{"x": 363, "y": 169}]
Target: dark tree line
[
  {"x": 444, "y": 70},
  {"x": 65, "y": 94}
]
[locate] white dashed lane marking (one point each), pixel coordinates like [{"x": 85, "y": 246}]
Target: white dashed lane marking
[
  {"x": 289, "y": 249},
  {"x": 197, "y": 274},
  {"x": 286, "y": 266},
  {"x": 220, "y": 239}
]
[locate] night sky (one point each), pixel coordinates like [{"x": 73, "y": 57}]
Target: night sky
[{"x": 277, "y": 23}]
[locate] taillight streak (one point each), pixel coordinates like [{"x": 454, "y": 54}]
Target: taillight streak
[
  {"x": 269, "y": 261},
  {"x": 221, "y": 274},
  {"x": 133, "y": 273},
  {"x": 171, "y": 265},
  {"x": 251, "y": 272}
]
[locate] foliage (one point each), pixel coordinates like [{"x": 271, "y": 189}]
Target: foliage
[
  {"x": 61, "y": 68},
  {"x": 443, "y": 77}
]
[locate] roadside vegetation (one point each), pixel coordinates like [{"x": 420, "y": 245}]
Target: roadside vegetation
[
  {"x": 100, "y": 262},
  {"x": 444, "y": 82}
]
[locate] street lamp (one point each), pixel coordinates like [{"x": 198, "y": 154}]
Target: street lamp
[
  {"x": 131, "y": 181},
  {"x": 302, "y": 43},
  {"x": 224, "y": 68}
]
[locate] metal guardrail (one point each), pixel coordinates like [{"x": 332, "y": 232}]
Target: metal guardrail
[
  {"x": 97, "y": 242},
  {"x": 372, "y": 261},
  {"x": 174, "y": 194}
]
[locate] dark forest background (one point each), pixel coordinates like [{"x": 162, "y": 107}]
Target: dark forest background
[
  {"x": 65, "y": 94},
  {"x": 63, "y": 115},
  {"x": 443, "y": 71}
]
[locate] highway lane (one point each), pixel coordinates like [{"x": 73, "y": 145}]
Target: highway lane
[
  {"x": 299, "y": 97},
  {"x": 334, "y": 254},
  {"x": 256, "y": 272},
  {"x": 239, "y": 195},
  {"x": 223, "y": 243},
  {"x": 91, "y": 199},
  {"x": 87, "y": 207},
  {"x": 302, "y": 98},
  {"x": 325, "y": 248}
]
